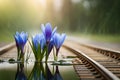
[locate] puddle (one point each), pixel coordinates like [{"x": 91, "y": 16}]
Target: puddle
[{"x": 36, "y": 71}]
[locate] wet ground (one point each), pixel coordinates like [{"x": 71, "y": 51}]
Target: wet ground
[
  {"x": 113, "y": 46},
  {"x": 35, "y": 71},
  {"x": 63, "y": 72}
]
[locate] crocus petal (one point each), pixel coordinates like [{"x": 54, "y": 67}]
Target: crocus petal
[
  {"x": 63, "y": 36},
  {"x": 17, "y": 41},
  {"x": 48, "y": 27},
  {"x": 24, "y": 37},
  {"x": 42, "y": 41},
  {"x": 43, "y": 28},
  {"x": 35, "y": 40},
  {"x": 55, "y": 40},
  {"x": 58, "y": 40},
  {"x": 17, "y": 38},
  {"x": 48, "y": 32},
  {"x": 20, "y": 40},
  {"x": 54, "y": 30}
]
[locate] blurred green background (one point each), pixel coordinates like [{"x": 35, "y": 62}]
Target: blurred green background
[{"x": 99, "y": 19}]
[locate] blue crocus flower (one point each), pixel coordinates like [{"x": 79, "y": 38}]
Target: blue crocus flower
[
  {"x": 37, "y": 40},
  {"x": 47, "y": 31},
  {"x": 59, "y": 39},
  {"x": 21, "y": 39},
  {"x": 38, "y": 46}
]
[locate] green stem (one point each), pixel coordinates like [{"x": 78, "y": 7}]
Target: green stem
[
  {"x": 55, "y": 58},
  {"x": 54, "y": 54},
  {"x": 22, "y": 57},
  {"x": 18, "y": 55},
  {"x": 46, "y": 54},
  {"x": 53, "y": 69},
  {"x": 46, "y": 71}
]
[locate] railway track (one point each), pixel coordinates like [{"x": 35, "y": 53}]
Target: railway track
[
  {"x": 94, "y": 63},
  {"x": 100, "y": 66},
  {"x": 107, "y": 52},
  {"x": 6, "y": 48}
]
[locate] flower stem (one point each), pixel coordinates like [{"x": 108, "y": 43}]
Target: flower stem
[
  {"x": 54, "y": 54},
  {"x": 22, "y": 57},
  {"x": 46, "y": 54}
]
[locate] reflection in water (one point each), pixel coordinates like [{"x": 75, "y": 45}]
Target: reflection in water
[
  {"x": 40, "y": 71},
  {"x": 20, "y": 75},
  {"x": 49, "y": 75},
  {"x": 31, "y": 71},
  {"x": 37, "y": 72},
  {"x": 57, "y": 75}
]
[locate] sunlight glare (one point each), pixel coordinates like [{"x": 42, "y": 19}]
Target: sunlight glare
[
  {"x": 58, "y": 4},
  {"x": 41, "y": 2},
  {"x": 2, "y": 3}
]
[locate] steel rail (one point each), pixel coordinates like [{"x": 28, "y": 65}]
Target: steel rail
[
  {"x": 106, "y": 51},
  {"x": 101, "y": 69}
]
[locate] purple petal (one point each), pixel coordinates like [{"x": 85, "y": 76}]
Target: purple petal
[
  {"x": 24, "y": 37},
  {"x": 54, "y": 30},
  {"x": 17, "y": 41},
  {"x": 43, "y": 28},
  {"x": 42, "y": 41},
  {"x": 39, "y": 40},
  {"x": 35, "y": 41},
  {"x": 56, "y": 40},
  {"x": 17, "y": 33},
  {"x": 48, "y": 31},
  {"x": 63, "y": 36}
]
